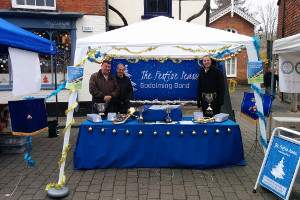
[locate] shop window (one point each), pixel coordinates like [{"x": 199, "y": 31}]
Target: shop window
[
  {"x": 62, "y": 59},
  {"x": 35, "y": 4},
  {"x": 153, "y": 8},
  {"x": 5, "y": 77}
]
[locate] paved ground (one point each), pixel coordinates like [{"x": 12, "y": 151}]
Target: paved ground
[{"x": 17, "y": 181}]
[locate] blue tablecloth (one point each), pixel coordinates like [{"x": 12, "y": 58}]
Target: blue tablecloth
[
  {"x": 98, "y": 149},
  {"x": 150, "y": 115}
]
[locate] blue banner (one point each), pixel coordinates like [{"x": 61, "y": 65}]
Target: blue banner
[
  {"x": 163, "y": 81},
  {"x": 280, "y": 167},
  {"x": 248, "y": 106}
]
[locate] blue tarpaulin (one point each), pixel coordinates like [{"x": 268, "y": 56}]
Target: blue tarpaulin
[{"x": 14, "y": 36}]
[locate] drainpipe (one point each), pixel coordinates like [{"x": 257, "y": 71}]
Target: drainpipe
[
  {"x": 282, "y": 33},
  {"x": 283, "y": 19},
  {"x": 207, "y": 12},
  {"x": 106, "y": 15}
]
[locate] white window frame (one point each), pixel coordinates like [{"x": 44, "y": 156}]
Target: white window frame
[
  {"x": 230, "y": 64},
  {"x": 15, "y": 5}
]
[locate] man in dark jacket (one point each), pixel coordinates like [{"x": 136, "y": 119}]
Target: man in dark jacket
[
  {"x": 210, "y": 80},
  {"x": 267, "y": 82},
  {"x": 126, "y": 90},
  {"x": 104, "y": 88}
]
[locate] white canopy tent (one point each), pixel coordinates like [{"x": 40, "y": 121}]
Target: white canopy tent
[
  {"x": 287, "y": 45},
  {"x": 165, "y": 35},
  {"x": 288, "y": 50}
]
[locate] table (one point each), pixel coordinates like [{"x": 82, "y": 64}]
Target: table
[{"x": 132, "y": 144}]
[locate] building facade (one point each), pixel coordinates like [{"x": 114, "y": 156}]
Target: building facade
[
  {"x": 241, "y": 23},
  {"x": 65, "y": 21},
  {"x": 288, "y": 18}
]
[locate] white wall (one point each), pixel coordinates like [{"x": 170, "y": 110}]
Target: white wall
[
  {"x": 98, "y": 24},
  {"x": 188, "y": 9},
  {"x": 132, "y": 10},
  {"x": 94, "y": 21}
]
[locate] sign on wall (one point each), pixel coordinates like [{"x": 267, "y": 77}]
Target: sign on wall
[{"x": 163, "y": 81}]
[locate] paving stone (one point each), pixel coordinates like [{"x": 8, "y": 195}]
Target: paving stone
[
  {"x": 137, "y": 183},
  {"x": 153, "y": 193},
  {"x": 93, "y": 196}
]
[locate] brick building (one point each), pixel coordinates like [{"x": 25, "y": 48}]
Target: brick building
[
  {"x": 288, "y": 18},
  {"x": 240, "y": 23}
]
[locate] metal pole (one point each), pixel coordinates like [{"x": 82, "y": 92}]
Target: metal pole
[
  {"x": 179, "y": 9},
  {"x": 56, "y": 98}
]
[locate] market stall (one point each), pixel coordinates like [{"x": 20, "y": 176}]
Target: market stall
[{"x": 162, "y": 39}]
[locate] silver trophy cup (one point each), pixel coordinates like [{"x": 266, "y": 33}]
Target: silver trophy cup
[
  {"x": 168, "y": 118},
  {"x": 209, "y": 97},
  {"x": 101, "y": 108},
  {"x": 141, "y": 109}
]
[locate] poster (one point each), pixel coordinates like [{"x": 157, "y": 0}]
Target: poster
[
  {"x": 74, "y": 78},
  {"x": 255, "y": 72}
]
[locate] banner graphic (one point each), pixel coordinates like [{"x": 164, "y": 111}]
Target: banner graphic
[
  {"x": 163, "y": 81},
  {"x": 289, "y": 72}
]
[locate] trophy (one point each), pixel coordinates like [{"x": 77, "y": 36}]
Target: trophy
[
  {"x": 101, "y": 109},
  {"x": 209, "y": 97},
  {"x": 141, "y": 109},
  {"x": 168, "y": 118}
]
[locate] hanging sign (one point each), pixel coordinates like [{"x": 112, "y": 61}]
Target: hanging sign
[
  {"x": 279, "y": 169},
  {"x": 255, "y": 72}
]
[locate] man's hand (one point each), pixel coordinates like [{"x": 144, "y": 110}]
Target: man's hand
[{"x": 107, "y": 98}]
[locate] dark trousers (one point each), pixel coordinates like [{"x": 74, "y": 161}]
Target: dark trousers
[{"x": 122, "y": 108}]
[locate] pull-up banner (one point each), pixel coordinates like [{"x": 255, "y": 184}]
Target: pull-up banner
[{"x": 162, "y": 81}]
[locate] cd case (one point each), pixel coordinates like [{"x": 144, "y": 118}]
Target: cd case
[
  {"x": 221, "y": 117},
  {"x": 96, "y": 118}
]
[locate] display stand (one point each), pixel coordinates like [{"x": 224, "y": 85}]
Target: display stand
[
  {"x": 255, "y": 145},
  {"x": 281, "y": 163}
]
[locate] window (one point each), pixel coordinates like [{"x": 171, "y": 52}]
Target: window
[
  {"x": 153, "y": 8},
  {"x": 5, "y": 77},
  {"x": 62, "y": 59},
  {"x": 35, "y": 4},
  {"x": 231, "y": 30},
  {"x": 230, "y": 66}
]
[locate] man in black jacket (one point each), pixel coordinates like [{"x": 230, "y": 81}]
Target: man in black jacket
[
  {"x": 267, "y": 82},
  {"x": 126, "y": 90},
  {"x": 210, "y": 80}
]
